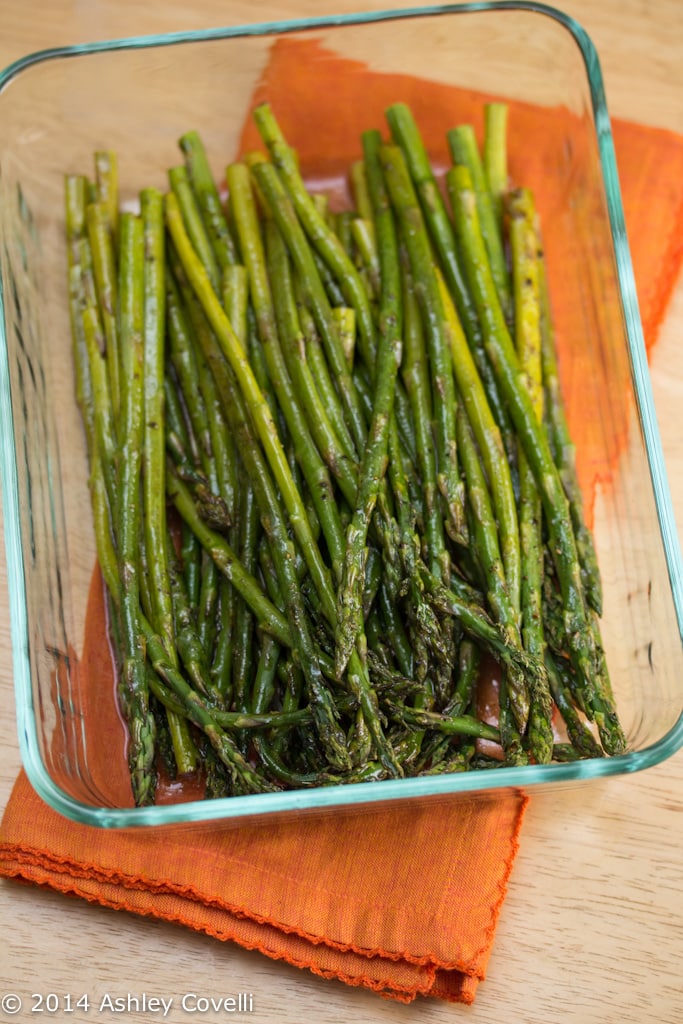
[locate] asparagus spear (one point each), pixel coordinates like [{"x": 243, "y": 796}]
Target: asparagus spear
[
  {"x": 107, "y": 188},
  {"x": 524, "y": 247},
  {"x": 579, "y": 733},
  {"x": 243, "y": 632},
  {"x": 270, "y": 618},
  {"x": 208, "y": 199},
  {"x": 188, "y": 641},
  {"x": 186, "y": 198},
  {"x": 75, "y": 204},
  {"x": 133, "y": 676},
  {"x": 100, "y": 227},
  {"x": 103, "y": 420},
  {"x": 321, "y": 373},
  {"x": 183, "y": 358},
  {"x": 153, "y": 453},
  {"x": 495, "y": 154},
  {"x": 153, "y": 462}
]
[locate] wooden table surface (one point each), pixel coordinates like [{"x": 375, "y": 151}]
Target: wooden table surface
[{"x": 592, "y": 928}]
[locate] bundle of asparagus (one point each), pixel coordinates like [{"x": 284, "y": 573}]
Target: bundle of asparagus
[{"x": 330, "y": 469}]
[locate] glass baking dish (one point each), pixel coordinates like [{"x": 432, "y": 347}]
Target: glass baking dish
[{"x": 137, "y": 96}]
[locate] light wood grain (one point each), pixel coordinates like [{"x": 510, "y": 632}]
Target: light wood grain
[{"x": 592, "y": 929}]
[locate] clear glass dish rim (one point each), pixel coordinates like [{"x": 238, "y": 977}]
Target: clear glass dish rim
[{"x": 361, "y": 793}]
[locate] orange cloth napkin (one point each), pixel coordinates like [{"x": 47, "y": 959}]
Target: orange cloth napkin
[{"x": 402, "y": 900}]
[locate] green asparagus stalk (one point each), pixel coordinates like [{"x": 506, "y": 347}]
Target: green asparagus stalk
[
  {"x": 364, "y": 235},
  {"x": 104, "y": 270},
  {"x": 406, "y": 134},
  {"x": 153, "y": 454},
  {"x": 75, "y": 205},
  {"x": 208, "y": 199},
  {"x": 461, "y": 725},
  {"x": 245, "y": 778},
  {"x": 321, "y": 374},
  {"x": 188, "y": 641},
  {"x": 524, "y": 246},
  {"x": 203, "y": 395},
  {"x": 359, "y": 188},
  {"x": 186, "y": 198},
  {"x": 476, "y": 623},
  {"x": 495, "y": 154},
  {"x": 345, "y": 319},
  {"x": 107, "y": 188},
  {"x": 133, "y": 681},
  {"x": 249, "y": 529},
  {"x": 183, "y": 357},
  {"x": 510, "y": 735},
  {"x": 252, "y": 720},
  {"x": 103, "y": 422}
]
